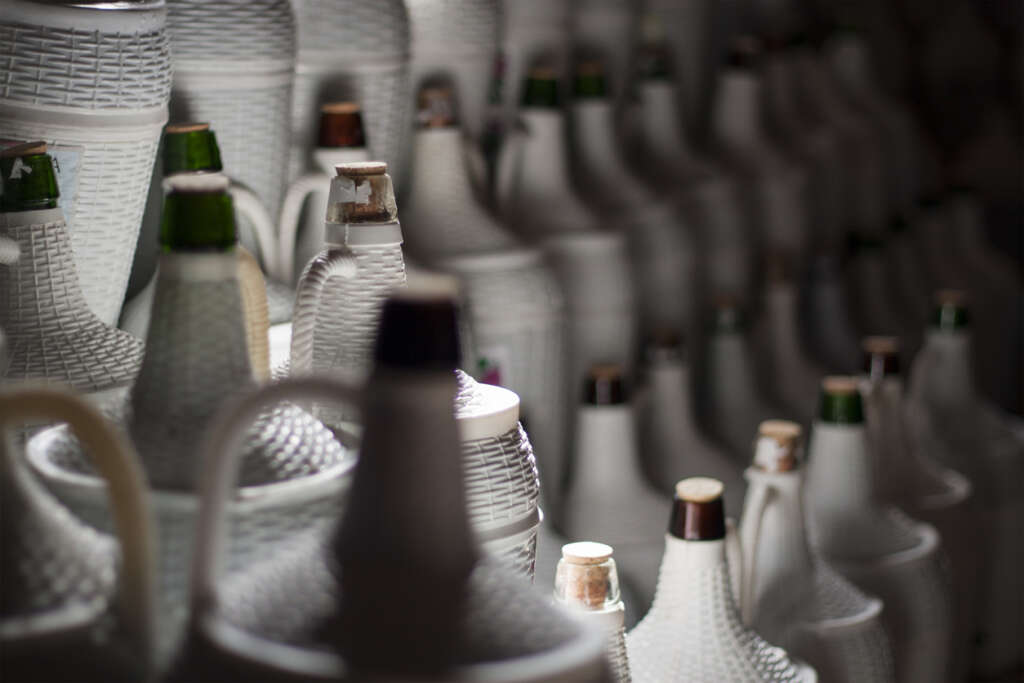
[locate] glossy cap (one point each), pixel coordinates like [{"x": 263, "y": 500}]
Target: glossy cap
[
  {"x": 341, "y": 125},
  {"x": 881, "y": 356},
  {"x": 436, "y": 107},
  {"x": 841, "y": 401},
  {"x": 950, "y": 313},
  {"x": 778, "y": 446},
  {"x": 190, "y": 147},
  {"x": 540, "y": 89},
  {"x": 419, "y": 326},
  {"x": 698, "y": 511},
  {"x": 604, "y": 386},
  {"x": 362, "y": 193},
  {"x": 28, "y": 181},
  {"x": 198, "y": 213}
]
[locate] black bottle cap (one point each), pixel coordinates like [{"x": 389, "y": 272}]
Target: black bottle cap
[
  {"x": 419, "y": 326},
  {"x": 604, "y": 386},
  {"x": 881, "y": 356},
  {"x": 698, "y": 512}
]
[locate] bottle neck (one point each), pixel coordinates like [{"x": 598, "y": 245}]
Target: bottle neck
[
  {"x": 737, "y": 112},
  {"x": 606, "y": 454},
  {"x": 670, "y": 384},
  {"x": 594, "y": 138},
  {"x": 840, "y": 477},
  {"x": 544, "y": 173},
  {"x": 662, "y": 121},
  {"x": 948, "y": 373}
]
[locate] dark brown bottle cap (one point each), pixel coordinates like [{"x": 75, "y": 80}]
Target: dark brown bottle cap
[
  {"x": 341, "y": 125},
  {"x": 436, "y": 107},
  {"x": 419, "y": 326},
  {"x": 698, "y": 512},
  {"x": 881, "y": 356},
  {"x": 604, "y": 386}
]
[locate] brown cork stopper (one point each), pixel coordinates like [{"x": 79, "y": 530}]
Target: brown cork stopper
[
  {"x": 883, "y": 345},
  {"x": 187, "y": 127},
  {"x": 590, "y": 67},
  {"x": 698, "y": 513},
  {"x": 777, "y": 446},
  {"x": 362, "y": 169},
  {"x": 341, "y": 125},
  {"x": 585, "y": 573},
  {"x": 881, "y": 356},
  {"x": 367, "y": 197},
  {"x": 542, "y": 72},
  {"x": 436, "y": 107},
  {"x": 24, "y": 149},
  {"x": 840, "y": 385},
  {"x": 604, "y": 385}
]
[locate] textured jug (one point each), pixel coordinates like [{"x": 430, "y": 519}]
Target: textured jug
[
  {"x": 101, "y": 118},
  {"x": 67, "y": 588},
  {"x": 693, "y": 631}
]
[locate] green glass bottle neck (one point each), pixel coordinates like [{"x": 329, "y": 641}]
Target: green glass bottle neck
[
  {"x": 29, "y": 183},
  {"x": 950, "y": 318},
  {"x": 191, "y": 151},
  {"x": 589, "y": 86},
  {"x": 841, "y": 408},
  {"x": 541, "y": 93},
  {"x": 198, "y": 221}
]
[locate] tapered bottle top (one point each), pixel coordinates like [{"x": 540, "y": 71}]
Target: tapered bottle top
[
  {"x": 778, "y": 446},
  {"x": 189, "y": 148},
  {"x": 341, "y": 125},
  {"x": 604, "y": 386},
  {"x": 589, "y": 81},
  {"x": 362, "y": 193},
  {"x": 881, "y": 356},
  {"x": 540, "y": 90},
  {"x": 28, "y": 181},
  {"x": 586, "y": 576},
  {"x": 950, "y": 313},
  {"x": 665, "y": 345},
  {"x": 654, "y": 57},
  {"x": 728, "y": 319},
  {"x": 840, "y": 401},
  {"x": 436, "y": 107},
  {"x": 744, "y": 53},
  {"x": 198, "y": 214},
  {"x": 418, "y": 326},
  {"x": 698, "y": 511}
]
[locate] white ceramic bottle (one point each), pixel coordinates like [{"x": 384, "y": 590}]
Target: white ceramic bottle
[
  {"x": 605, "y": 31},
  {"x": 533, "y": 32},
  {"x": 790, "y": 596},
  {"x": 872, "y": 544},
  {"x": 101, "y": 118},
  {"x": 587, "y": 585},
  {"x": 693, "y": 631},
  {"x": 951, "y": 421},
  {"x": 53, "y": 335},
  {"x": 607, "y": 493}
]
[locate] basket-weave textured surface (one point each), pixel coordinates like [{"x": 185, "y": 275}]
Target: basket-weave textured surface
[
  {"x": 221, "y": 35},
  {"x": 618, "y": 657},
  {"x": 52, "y": 334}
]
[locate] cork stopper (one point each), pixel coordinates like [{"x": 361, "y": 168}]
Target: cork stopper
[
  {"x": 778, "y": 445},
  {"x": 362, "y": 193},
  {"x": 191, "y": 127},
  {"x": 698, "y": 512},
  {"x": 665, "y": 346},
  {"x": 436, "y": 107},
  {"x": 586, "y": 576},
  {"x": 839, "y": 385},
  {"x": 604, "y": 386},
  {"x": 840, "y": 401},
  {"x": 341, "y": 125},
  {"x": 950, "y": 312},
  {"x": 881, "y": 356},
  {"x": 23, "y": 149}
]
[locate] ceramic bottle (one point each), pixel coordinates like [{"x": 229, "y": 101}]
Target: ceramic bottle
[
  {"x": 341, "y": 139},
  {"x": 74, "y": 604},
  {"x": 511, "y": 300},
  {"x": 909, "y": 477},
  {"x": 196, "y": 360},
  {"x": 587, "y": 585},
  {"x": 418, "y": 600},
  {"x": 343, "y": 287},
  {"x": 52, "y": 334},
  {"x": 872, "y": 544},
  {"x": 604, "y": 31},
  {"x": 693, "y": 631},
  {"x": 100, "y": 117},
  {"x": 951, "y": 421},
  {"x": 534, "y": 32},
  {"x": 607, "y": 493},
  {"x": 356, "y": 51},
  {"x": 790, "y": 596}
]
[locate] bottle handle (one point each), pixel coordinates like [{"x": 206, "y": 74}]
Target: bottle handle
[
  {"x": 117, "y": 463},
  {"x": 10, "y": 252},
  {"x": 220, "y": 454},
  {"x": 335, "y": 261},
  {"x": 249, "y": 205},
  {"x": 291, "y": 212},
  {"x": 734, "y": 553},
  {"x": 257, "y": 312},
  {"x": 507, "y": 169},
  {"x": 758, "y": 495}
]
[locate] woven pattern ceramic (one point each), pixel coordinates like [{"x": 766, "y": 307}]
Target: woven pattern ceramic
[
  {"x": 93, "y": 84},
  {"x": 52, "y": 333},
  {"x": 354, "y": 50}
]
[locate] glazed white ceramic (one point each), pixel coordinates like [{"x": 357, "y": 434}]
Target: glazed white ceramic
[
  {"x": 67, "y": 579},
  {"x": 880, "y": 550},
  {"x": 101, "y": 120},
  {"x": 606, "y": 30},
  {"x": 689, "y": 23},
  {"x": 53, "y": 335},
  {"x": 693, "y": 631},
  {"x": 608, "y": 498},
  {"x": 532, "y": 31},
  {"x": 352, "y": 51},
  {"x": 797, "y": 600}
]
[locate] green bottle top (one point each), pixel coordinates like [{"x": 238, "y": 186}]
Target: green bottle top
[
  {"x": 950, "y": 312},
  {"x": 540, "y": 90},
  {"x": 589, "y": 81},
  {"x": 198, "y": 214},
  {"x": 840, "y": 401},
  {"x": 728, "y": 319},
  {"x": 28, "y": 181},
  {"x": 190, "y": 147}
]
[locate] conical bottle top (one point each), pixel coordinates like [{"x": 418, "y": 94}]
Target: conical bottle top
[
  {"x": 840, "y": 401},
  {"x": 586, "y": 577},
  {"x": 362, "y": 193},
  {"x": 436, "y": 107},
  {"x": 540, "y": 89},
  {"x": 198, "y": 213},
  {"x": 28, "y": 181},
  {"x": 589, "y": 81},
  {"x": 881, "y": 356},
  {"x": 698, "y": 510},
  {"x": 419, "y": 326},
  {"x": 744, "y": 53},
  {"x": 778, "y": 446},
  {"x": 728, "y": 319},
  {"x": 341, "y": 125},
  {"x": 604, "y": 386},
  {"x": 189, "y": 148},
  {"x": 950, "y": 313}
]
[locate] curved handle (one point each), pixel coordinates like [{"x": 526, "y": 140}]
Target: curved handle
[
  {"x": 257, "y": 312},
  {"x": 336, "y": 261},
  {"x": 10, "y": 252},
  {"x": 249, "y": 205},
  {"x": 754, "y": 506},
  {"x": 220, "y": 454},
  {"x": 118, "y": 464},
  {"x": 734, "y": 553},
  {"x": 291, "y": 212},
  {"x": 507, "y": 169}
]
